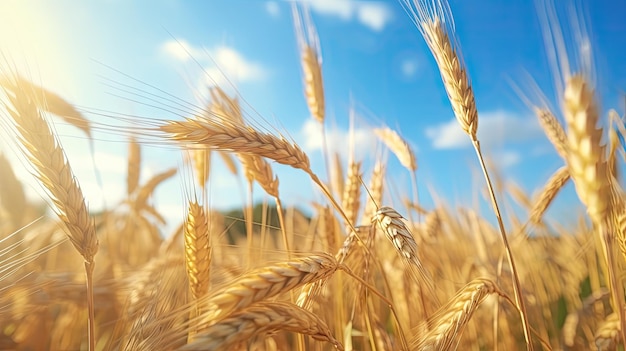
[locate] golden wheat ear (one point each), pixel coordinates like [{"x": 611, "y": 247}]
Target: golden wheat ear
[
  {"x": 42, "y": 149},
  {"x": 311, "y": 59},
  {"x": 449, "y": 322},
  {"x": 258, "y": 320}
]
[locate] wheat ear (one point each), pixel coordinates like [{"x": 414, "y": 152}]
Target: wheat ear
[
  {"x": 197, "y": 250},
  {"x": 258, "y": 320},
  {"x": 308, "y": 43},
  {"x": 585, "y": 148},
  {"x": 202, "y": 163},
  {"x": 553, "y": 129},
  {"x": 608, "y": 332},
  {"x": 134, "y": 166},
  {"x": 588, "y": 169},
  {"x": 229, "y": 136},
  {"x": 390, "y": 222},
  {"x": 351, "y": 200},
  {"x": 549, "y": 192},
  {"x": 265, "y": 283},
  {"x": 449, "y": 322},
  {"x": 398, "y": 146},
  {"x": 431, "y": 18},
  {"x": 42, "y": 149}
]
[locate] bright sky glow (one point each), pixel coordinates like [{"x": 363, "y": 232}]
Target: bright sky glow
[{"x": 374, "y": 60}]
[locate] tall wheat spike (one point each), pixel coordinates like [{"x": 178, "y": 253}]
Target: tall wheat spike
[
  {"x": 197, "y": 250},
  {"x": 40, "y": 146},
  {"x": 308, "y": 43},
  {"x": 435, "y": 22},
  {"x": 586, "y": 154}
]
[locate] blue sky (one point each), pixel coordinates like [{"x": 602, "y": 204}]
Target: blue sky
[{"x": 374, "y": 60}]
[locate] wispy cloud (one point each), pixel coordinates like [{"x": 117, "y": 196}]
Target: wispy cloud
[
  {"x": 374, "y": 15},
  {"x": 506, "y": 158},
  {"x": 272, "y": 8},
  {"x": 337, "y": 139},
  {"x": 221, "y": 64},
  {"x": 494, "y": 128},
  {"x": 408, "y": 67}
]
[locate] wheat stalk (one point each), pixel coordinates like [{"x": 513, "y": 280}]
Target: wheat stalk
[{"x": 258, "y": 320}]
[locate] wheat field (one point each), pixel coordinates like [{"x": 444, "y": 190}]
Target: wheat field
[{"x": 357, "y": 273}]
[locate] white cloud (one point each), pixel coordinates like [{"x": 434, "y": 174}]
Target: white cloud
[
  {"x": 272, "y": 8},
  {"x": 408, "y": 68},
  {"x": 181, "y": 50},
  {"x": 221, "y": 64},
  {"x": 337, "y": 139},
  {"x": 232, "y": 65},
  {"x": 494, "y": 128},
  {"x": 374, "y": 15},
  {"x": 506, "y": 159}
]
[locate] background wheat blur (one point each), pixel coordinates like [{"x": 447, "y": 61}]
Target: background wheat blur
[{"x": 356, "y": 273}]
